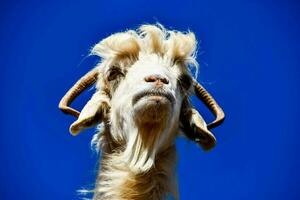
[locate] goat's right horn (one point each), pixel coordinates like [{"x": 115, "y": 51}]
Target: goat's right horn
[
  {"x": 210, "y": 102},
  {"x": 83, "y": 83}
]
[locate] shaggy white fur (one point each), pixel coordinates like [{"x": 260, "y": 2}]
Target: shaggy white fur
[
  {"x": 142, "y": 82},
  {"x": 150, "y": 50}
]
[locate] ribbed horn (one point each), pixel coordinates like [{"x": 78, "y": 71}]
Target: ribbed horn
[
  {"x": 83, "y": 83},
  {"x": 209, "y": 101}
]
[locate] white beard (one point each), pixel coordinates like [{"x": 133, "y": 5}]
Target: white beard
[{"x": 144, "y": 130}]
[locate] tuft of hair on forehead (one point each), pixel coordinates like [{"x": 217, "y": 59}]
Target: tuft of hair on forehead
[{"x": 171, "y": 45}]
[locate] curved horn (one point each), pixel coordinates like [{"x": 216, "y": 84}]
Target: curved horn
[
  {"x": 194, "y": 126},
  {"x": 209, "y": 101},
  {"x": 83, "y": 83}
]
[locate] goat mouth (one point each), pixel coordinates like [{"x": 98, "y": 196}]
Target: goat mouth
[{"x": 167, "y": 95}]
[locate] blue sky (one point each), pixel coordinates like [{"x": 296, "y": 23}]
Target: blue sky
[{"x": 249, "y": 60}]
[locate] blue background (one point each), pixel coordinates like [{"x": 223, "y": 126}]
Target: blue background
[{"x": 249, "y": 57}]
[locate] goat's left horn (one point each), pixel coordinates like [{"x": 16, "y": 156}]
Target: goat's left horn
[
  {"x": 83, "y": 83},
  {"x": 210, "y": 102}
]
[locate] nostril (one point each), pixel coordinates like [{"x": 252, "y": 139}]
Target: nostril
[
  {"x": 151, "y": 79},
  {"x": 156, "y": 78},
  {"x": 164, "y": 80}
]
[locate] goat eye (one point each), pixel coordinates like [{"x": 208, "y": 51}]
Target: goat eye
[
  {"x": 113, "y": 74},
  {"x": 185, "y": 81}
]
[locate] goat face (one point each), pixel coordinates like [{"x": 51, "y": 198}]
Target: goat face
[
  {"x": 143, "y": 84},
  {"x": 146, "y": 95},
  {"x": 149, "y": 93}
]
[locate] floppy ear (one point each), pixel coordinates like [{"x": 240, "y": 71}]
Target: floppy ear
[
  {"x": 97, "y": 108},
  {"x": 193, "y": 124},
  {"x": 194, "y": 127},
  {"x": 95, "y": 111}
]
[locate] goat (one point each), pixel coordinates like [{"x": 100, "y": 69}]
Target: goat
[{"x": 141, "y": 103}]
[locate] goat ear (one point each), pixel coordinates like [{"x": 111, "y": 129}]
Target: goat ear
[
  {"x": 95, "y": 111},
  {"x": 195, "y": 128}
]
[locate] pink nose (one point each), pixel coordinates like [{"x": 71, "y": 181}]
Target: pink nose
[{"x": 157, "y": 79}]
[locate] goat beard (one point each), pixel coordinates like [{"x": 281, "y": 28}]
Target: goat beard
[{"x": 144, "y": 137}]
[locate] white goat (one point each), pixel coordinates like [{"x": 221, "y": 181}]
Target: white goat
[{"x": 142, "y": 87}]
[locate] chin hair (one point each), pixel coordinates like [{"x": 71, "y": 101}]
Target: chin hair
[
  {"x": 148, "y": 111},
  {"x": 145, "y": 133},
  {"x": 143, "y": 145}
]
